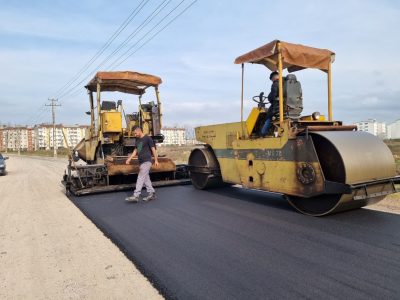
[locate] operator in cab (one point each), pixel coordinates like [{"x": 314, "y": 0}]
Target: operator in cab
[{"x": 273, "y": 100}]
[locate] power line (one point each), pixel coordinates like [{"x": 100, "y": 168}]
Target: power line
[
  {"x": 139, "y": 28},
  {"x": 148, "y": 32},
  {"x": 122, "y": 45},
  {"x": 116, "y": 62},
  {"x": 121, "y": 59},
  {"x": 158, "y": 32},
  {"x": 41, "y": 115},
  {"x": 36, "y": 114},
  {"x": 124, "y": 24}
]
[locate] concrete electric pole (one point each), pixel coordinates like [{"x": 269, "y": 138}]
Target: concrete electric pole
[{"x": 53, "y": 113}]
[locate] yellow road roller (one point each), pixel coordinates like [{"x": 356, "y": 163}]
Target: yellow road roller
[{"x": 320, "y": 165}]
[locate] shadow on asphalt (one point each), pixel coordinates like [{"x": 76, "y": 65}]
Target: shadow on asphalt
[
  {"x": 274, "y": 200},
  {"x": 253, "y": 196}
]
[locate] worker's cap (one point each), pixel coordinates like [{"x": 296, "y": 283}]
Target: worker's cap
[{"x": 273, "y": 74}]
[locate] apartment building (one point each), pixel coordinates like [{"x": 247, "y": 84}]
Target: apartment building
[
  {"x": 40, "y": 137},
  {"x": 18, "y": 137},
  {"x": 393, "y": 130},
  {"x": 373, "y": 127},
  {"x": 44, "y": 132},
  {"x": 174, "y": 135}
]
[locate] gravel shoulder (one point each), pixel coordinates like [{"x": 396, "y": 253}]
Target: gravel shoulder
[
  {"x": 49, "y": 249},
  {"x": 390, "y": 204}
]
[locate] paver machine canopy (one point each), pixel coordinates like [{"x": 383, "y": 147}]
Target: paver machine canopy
[{"x": 134, "y": 83}]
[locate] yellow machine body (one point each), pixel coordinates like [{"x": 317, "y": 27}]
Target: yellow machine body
[
  {"x": 240, "y": 159},
  {"x": 111, "y": 122}
]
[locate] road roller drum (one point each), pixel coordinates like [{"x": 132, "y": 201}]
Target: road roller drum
[
  {"x": 204, "y": 169},
  {"x": 356, "y": 159}
]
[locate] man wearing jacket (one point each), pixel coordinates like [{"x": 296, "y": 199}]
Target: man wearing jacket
[{"x": 273, "y": 100}]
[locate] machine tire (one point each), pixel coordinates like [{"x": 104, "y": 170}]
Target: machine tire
[
  {"x": 204, "y": 169},
  {"x": 315, "y": 206}
]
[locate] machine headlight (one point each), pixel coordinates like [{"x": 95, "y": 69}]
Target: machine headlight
[
  {"x": 1, "y": 165},
  {"x": 316, "y": 115}
]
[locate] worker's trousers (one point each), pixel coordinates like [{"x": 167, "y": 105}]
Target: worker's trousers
[
  {"x": 143, "y": 179},
  {"x": 270, "y": 113}
]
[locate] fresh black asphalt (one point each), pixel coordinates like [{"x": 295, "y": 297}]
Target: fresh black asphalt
[{"x": 230, "y": 243}]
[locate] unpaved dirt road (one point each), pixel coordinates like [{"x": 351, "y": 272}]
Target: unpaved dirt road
[{"x": 49, "y": 249}]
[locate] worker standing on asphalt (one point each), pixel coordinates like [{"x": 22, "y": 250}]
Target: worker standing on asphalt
[
  {"x": 145, "y": 148},
  {"x": 273, "y": 99}
]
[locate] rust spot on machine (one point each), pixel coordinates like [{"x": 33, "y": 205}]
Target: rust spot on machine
[{"x": 117, "y": 166}]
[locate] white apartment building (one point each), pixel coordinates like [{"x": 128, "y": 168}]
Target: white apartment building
[
  {"x": 74, "y": 134},
  {"x": 44, "y": 135},
  {"x": 393, "y": 130},
  {"x": 41, "y": 137},
  {"x": 174, "y": 135},
  {"x": 373, "y": 127}
]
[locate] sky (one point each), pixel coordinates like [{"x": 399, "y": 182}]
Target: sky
[{"x": 43, "y": 44}]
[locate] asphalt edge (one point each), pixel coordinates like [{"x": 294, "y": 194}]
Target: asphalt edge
[{"x": 152, "y": 278}]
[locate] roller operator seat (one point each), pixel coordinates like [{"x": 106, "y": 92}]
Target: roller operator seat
[{"x": 293, "y": 97}]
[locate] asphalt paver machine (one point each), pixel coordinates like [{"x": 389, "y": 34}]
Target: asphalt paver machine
[{"x": 110, "y": 138}]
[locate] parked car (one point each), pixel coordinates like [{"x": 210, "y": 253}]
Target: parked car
[{"x": 3, "y": 164}]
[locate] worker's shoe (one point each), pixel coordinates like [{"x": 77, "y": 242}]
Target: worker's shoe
[
  {"x": 133, "y": 199},
  {"x": 149, "y": 197}
]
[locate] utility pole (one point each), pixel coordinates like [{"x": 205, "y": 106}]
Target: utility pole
[{"x": 53, "y": 113}]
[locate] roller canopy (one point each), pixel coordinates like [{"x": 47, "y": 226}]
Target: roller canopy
[
  {"x": 124, "y": 82},
  {"x": 294, "y": 56}
]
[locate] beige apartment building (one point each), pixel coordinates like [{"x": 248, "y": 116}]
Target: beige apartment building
[{"x": 18, "y": 137}]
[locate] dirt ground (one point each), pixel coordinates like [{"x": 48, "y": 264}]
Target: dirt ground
[
  {"x": 178, "y": 154},
  {"x": 390, "y": 204},
  {"x": 49, "y": 249}
]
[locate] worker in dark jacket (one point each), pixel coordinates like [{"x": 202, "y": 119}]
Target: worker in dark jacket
[{"x": 273, "y": 100}]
